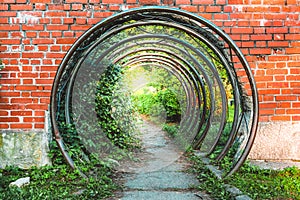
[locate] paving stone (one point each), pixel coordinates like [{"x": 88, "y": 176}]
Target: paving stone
[
  {"x": 162, "y": 174},
  {"x": 159, "y": 195},
  {"x": 243, "y": 197},
  {"x": 162, "y": 180}
]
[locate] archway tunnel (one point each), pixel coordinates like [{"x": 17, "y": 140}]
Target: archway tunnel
[{"x": 199, "y": 67}]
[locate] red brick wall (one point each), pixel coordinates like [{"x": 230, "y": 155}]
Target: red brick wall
[{"x": 35, "y": 35}]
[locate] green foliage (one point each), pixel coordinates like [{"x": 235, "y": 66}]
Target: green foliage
[
  {"x": 267, "y": 184},
  {"x": 114, "y": 110},
  {"x": 58, "y": 182},
  {"x": 251, "y": 180},
  {"x": 171, "y": 129},
  {"x": 160, "y": 98},
  {"x": 209, "y": 182},
  {"x": 155, "y": 103}
]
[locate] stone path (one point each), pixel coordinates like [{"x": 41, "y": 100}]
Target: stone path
[{"x": 161, "y": 173}]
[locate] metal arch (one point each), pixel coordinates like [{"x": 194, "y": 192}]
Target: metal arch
[
  {"x": 223, "y": 60},
  {"x": 200, "y": 67},
  {"x": 192, "y": 22},
  {"x": 198, "y": 141}
]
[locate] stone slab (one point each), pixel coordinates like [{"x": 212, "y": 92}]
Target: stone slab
[
  {"x": 277, "y": 141},
  {"x": 161, "y": 180},
  {"x": 24, "y": 149},
  {"x": 159, "y": 195}
]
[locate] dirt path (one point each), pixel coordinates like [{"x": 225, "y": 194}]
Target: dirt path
[{"x": 160, "y": 173}]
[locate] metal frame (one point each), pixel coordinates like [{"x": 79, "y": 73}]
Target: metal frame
[{"x": 194, "y": 66}]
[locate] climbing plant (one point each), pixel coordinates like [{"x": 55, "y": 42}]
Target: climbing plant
[{"x": 114, "y": 109}]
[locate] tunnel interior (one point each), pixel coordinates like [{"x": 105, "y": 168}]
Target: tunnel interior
[{"x": 201, "y": 67}]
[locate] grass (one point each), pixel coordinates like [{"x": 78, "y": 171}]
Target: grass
[
  {"x": 58, "y": 182},
  {"x": 267, "y": 184},
  {"x": 252, "y": 181}
]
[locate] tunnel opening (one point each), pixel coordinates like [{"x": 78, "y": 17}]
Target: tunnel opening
[{"x": 194, "y": 73}]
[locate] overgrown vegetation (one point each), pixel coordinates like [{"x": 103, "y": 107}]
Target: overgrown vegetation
[
  {"x": 58, "y": 181},
  {"x": 114, "y": 110},
  {"x": 255, "y": 182},
  {"x": 159, "y": 99}
]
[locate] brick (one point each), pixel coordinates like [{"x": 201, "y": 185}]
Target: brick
[
  {"x": 263, "y": 78},
  {"x": 259, "y": 30},
  {"x": 285, "y": 98},
  {"x": 260, "y": 51},
  {"x": 56, "y": 21},
  {"x": 80, "y": 27},
  {"x": 277, "y": 30},
  {"x": 21, "y": 113},
  {"x": 39, "y": 126},
  {"x": 76, "y": 7},
  {"x": 203, "y": 2},
  {"x": 4, "y": 7},
  {"x": 278, "y": 58},
  {"x": 44, "y": 81},
  {"x": 9, "y": 94},
  {"x": 9, "y": 106},
  {"x": 26, "y": 87},
  {"x": 33, "y": 119},
  {"x": 28, "y": 75},
  {"x": 57, "y": 34},
  {"x": 276, "y": 71},
  {"x": 292, "y": 37},
  {"x": 45, "y": 100},
  {"x": 35, "y": 27},
  {"x": 21, "y": 7},
  {"x": 8, "y": 27},
  {"x": 277, "y": 84},
  {"x": 121, "y": 1},
  {"x": 3, "y": 113},
  {"x": 56, "y": 14},
  {"x": 9, "y": 119},
  {"x": 215, "y": 9},
  {"x": 280, "y": 118},
  {"x": 178, "y": 2},
  {"x": 4, "y": 126},
  {"x": 102, "y": 14},
  {"x": 270, "y": 91},
  {"x": 276, "y": 16},
  {"x": 21, "y": 126},
  {"x": 274, "y": 2},
  {"x": 57, "y": 27},
  {"x": 218, "y": 16},
  {"x": 55, "y": 55},
  {"x": 37, "y": 106},
  {"x": 65, "y": 40},
  {"x": 78, "y": 1},
  {"x": 33, "y": 55},
  {"x": 189, "y": 8},
  {"x": 43, "y": 41},
  {"x": 292, "y": 50},
  {"x": 266, "y": 112},
  {"x": 40, "y": 1},
  {"x": 263, "y": 105},
  {"x": 40, "y": 6}
]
